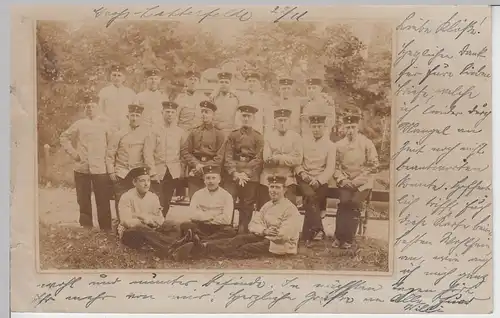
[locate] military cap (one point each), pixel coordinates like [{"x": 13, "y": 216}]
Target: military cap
[
  {"x": 137, "y": 172},
  {"x": 282, "y": 113},
  {"x": 314, "y": 81},
  {"x": 208, "y": 104},
  {"x": 116, "y": 68},
  {"x": 190, "y": 74},
  {"x": 225, "y": 75},
  {"x": 351, "y": 119},
  {"x": 152, "y": 72},
  {"x": 317, "y": 119},
  {"x": 276, "y": 179},
  {"x": 134, "y": 108},
  {"x": 211, "y": 169},
  {"x": 286, "y": 81},
  {"x": 248, "y": 109},
  {"x": 252, "y": 75},
  {"x": 169, "y": 105}
]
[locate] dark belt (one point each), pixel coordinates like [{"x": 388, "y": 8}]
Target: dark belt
[{"x": 204, "y": 158}]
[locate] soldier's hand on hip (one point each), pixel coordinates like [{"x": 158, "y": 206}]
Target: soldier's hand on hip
[{"x": 113, "y": 177}]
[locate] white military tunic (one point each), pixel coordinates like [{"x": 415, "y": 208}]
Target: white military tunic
[
  {"x": 319, "y": 158},
  {"x": 130, "y": 148},
  {"x": 134, "y": 208},
  {"x": 114, "y": 101},
  {"x": 288, "y": 149},
  {"x": 284, "y": 216},
  {"x": 212, "y": 207},
  {"x": 356, "y": 160},
  {"x": 92, "y": 136},
  {"x": 152, "y": 102}
]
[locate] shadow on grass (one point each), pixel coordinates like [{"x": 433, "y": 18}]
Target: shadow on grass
[{"x": 78, "y": 248}]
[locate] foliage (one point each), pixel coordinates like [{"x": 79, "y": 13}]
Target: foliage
[{"x": 73, "y": 58}]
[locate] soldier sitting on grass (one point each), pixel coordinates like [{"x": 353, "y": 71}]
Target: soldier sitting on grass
[
  {"x": 141, "y": 220},
  {"x": 211, "y": 209},
  {"x": 274, "y": 230}
]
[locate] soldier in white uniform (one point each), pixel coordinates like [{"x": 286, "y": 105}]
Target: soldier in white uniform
[
  {"x": 169, "y": 139},
  {"x": 313, "y": 174},
  {"x": 357, "y": 161},
  {"x": 151, "y": 98},
  {"x": 141, "y": 221},
  {"x": 317, "y": 104},
  {"x": 211, "y": 209},
  {"x": 129, "y": 148},
  {"x": 288, "y": 100},
  {"x": 227, "y": 102},
  {"x": 115, "y": 98},
  {"x": 274, "y": 230},
  {"x": 189, "y": 114},
  {"x": 257, "y": 98},
  {"x": 92, "y": 134},
  {"x": 282, "y": 154}
]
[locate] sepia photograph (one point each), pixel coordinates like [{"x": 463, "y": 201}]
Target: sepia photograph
[{"x": 173, "y": 145}]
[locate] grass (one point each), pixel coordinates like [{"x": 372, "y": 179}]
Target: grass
[{"x": 65, "y": 247}]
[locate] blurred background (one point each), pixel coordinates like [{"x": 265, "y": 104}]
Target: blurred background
[{"x": 354, "y": 58}]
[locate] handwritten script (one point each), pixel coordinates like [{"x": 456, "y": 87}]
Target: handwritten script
[
  {"x": 443, "y": 186},
  {"x": 442, "y": 189},
  {"x": 277, "y": 14}
]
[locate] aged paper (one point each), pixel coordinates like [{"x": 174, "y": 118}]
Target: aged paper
[{"x": 420, "y": 78}]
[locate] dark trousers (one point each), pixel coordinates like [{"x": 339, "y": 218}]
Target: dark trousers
[
  {"x": 313, "y": 199},
  {"x": 241, "y": 246},
  {"x": 195, "y": 184},
  {"x": 137, "y": 237},
  {"x": 290, "y": 194},
  {"x": 207, "y": 231},
  {"x": 168, "y": 185},
  {"x": 180, "y": 187},
  {"x": 348, "y": 213},
  {"x": 120, "y": 186},
  {"x": 85, "y": 183},
  {"x": 248, "y": 200}
]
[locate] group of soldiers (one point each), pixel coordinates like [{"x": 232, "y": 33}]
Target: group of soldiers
[{"x": 245, "y": 150}]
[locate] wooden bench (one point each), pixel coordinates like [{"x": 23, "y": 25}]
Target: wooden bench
[{"x": 333, "y": 193}]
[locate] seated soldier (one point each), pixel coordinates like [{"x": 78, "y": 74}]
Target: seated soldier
[
  {"x": 212, "y": 209},
  {"x": 313, "y": 174},
  {"x": 357, "y": 161},
  {"x": 274, "y": 231},
  {"x": 141, "y": 220}
]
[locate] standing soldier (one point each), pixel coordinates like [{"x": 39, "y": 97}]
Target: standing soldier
[
  {"x": 202, "y": 147},
  {"x": 92, "y": 135},
  {"x": 189, "y": 114},
  {"x": 170, "y": 139},
  {"x": 289, "y": 101},
  {"x": 243, "y": 165},
  {"x": 255, "y": 96},
  {"x": 130, "y": 148},
  {"x": 317, "y": 168},
  {"x": 282, "y": 154},
  {"x": 115, "y": 98},
  {"x": 317, "y": 104},
  {"x": 227, "y": 102},
  {"x": 357, "y": 160},
  {"x": 151, "y": 98}
]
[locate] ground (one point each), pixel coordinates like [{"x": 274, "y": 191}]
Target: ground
[{"x": 64, "y": 245}]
